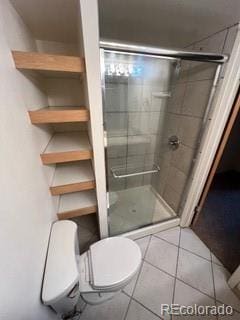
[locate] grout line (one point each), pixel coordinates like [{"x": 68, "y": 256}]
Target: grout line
[
  {"x": 147, "y": 308},
  {"x": 204, "y": 293},
  {"x": 194, "y": 80},
  {"x": 134, "y": 299},
  {"x": 139, "y": 272},
  {"x": 210, "y": 261},
  {"x": 197, "y": 254},
  {"x": 185, "y": 249},
  {"x": 131, "y": 296},
  {"x": 142, "y": 237},
  {"x": 154, "y": 235},
  {"x": 186, "y": 88},
  {"x": 175, "y": 279},
  {"x": 213, "y": 282},
  {"x": 181, "y": 280},
  {"x": 169, "y": 274},
  {"x": 149, "y": 240},
  {"x": 128, "y": 306},
  {"x": 211, "y": 35},
  {"x": 186, "y": 115}
]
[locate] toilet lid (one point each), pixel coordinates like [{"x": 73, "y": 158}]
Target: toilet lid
[{"x": 114, "y": 260}]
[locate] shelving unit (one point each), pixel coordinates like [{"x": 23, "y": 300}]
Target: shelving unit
[
  {"x": 48, "y": 62},
  {"x": 72, "y": 177},
  {"x": 77, "y": 204},
  {"x": 74, "y": 180},
  {"x": 66, "y": 147},
  {"x": 59, "y": 115}
]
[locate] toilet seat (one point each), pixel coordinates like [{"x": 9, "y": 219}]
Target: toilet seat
[
  {"x": 114, "y": 261},
  {"x": 109, "y": 265}
]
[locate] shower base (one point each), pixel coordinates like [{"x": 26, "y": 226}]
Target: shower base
[{"x": 137, "y": 207}]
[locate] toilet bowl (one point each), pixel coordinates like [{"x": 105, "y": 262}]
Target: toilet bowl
[{"x": 96, "y": 275}]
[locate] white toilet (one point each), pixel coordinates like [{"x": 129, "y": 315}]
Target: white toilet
[{"x": 97, "y": 275}]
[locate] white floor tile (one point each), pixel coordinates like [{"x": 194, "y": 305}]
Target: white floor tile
[
  {"x": 195, "y": 271},
  {"x": 162, "y": 255},
  {"x": 170, "y": 235},
  {"x": 114, "y": 309},
  {"x": 187, "y": 296},
  {"x": 190, "y": 241},
  {"x": 143, "y": 244},
  {"x": 216, "y": 260},
  {"x": 138, "y": 312},
  {"x": 223, "y": 291},
  {"x": 153, "y": 288},
  {"x": 130, "y": 287}
]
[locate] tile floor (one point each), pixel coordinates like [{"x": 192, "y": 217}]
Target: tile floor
[{"x": 177, "y": 268}]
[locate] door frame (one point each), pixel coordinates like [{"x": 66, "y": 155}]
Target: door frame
[
  {"x": 212, "y": 137},
  {"x": 219, "y": 153}
]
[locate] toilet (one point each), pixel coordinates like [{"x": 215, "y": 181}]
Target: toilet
[{"x": 96, "y": 275}]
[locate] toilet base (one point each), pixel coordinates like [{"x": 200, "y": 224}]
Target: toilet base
[{"x": 94, "y": 298}]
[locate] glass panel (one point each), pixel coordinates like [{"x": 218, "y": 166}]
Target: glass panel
[{"x": 153, "y": 111}]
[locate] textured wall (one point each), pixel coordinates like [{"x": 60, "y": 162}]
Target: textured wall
[
  {"x": 184, "y": 116},
  {"x": 27, "y": 210}
]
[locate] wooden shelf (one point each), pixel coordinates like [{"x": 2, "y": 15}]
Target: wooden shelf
[
  {"x": 77, "y": 204},
  {"x": 48, "y": 62},
  {"x": 66, "y": 147},
  {"x": 59, "y": 115},
  {"x": 72, "y": 177}
]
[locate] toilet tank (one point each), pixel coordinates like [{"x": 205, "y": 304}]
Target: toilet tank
[{"x": 61, "y": 277}]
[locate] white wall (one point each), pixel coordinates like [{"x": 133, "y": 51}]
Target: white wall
[
  {"x": 90, "y": 41},
  {"x": 26, "y": 210}
]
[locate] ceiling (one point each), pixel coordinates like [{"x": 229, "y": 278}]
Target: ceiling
[{"x": 172, "y": 23}]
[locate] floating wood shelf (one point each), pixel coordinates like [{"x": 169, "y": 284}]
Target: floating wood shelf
[
  {"x": 66, "y": 147},
  {"x": 77, "y": 204},
  {"x": 48, "y": 62},
  {"x": 59, "y": 115},
  {"x": 72, "y": 177}
]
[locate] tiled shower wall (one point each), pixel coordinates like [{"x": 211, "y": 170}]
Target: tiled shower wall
[{"x": 184, "y": 116}]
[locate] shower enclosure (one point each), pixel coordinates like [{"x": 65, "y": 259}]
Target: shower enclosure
[{"x": 156, "y": 104}]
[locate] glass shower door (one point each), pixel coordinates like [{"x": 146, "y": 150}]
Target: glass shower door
[
  {"x": 155, "y": 112},
  {"x": 136, "y": 93}
]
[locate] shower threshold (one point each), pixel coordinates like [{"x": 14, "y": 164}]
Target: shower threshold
[{"x": 134, "y": 209}]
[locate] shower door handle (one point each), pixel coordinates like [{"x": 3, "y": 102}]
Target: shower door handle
[{"x": 120, "y": 176}]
